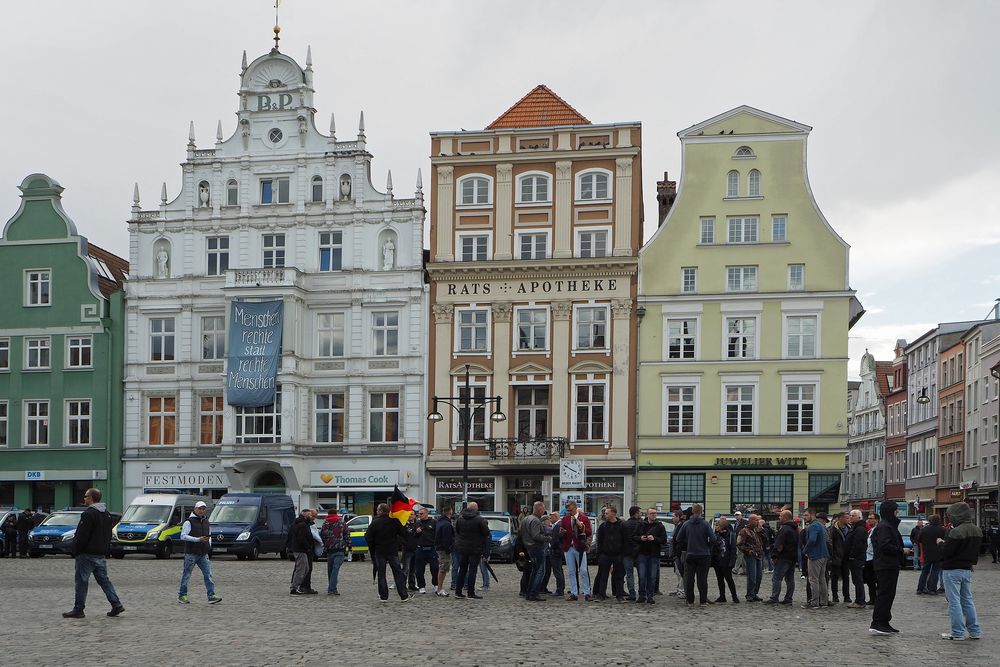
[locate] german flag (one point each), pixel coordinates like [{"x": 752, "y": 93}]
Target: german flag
[{"x": 400, "y": 507}]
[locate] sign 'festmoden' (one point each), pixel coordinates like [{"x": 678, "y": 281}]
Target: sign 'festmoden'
[{"x": 254, "y": 348}]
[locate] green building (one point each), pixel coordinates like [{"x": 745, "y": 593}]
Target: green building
[{"x": 61, "y": 357}]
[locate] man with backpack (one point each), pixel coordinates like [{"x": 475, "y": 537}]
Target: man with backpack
[{"x": 337, "y": 544}]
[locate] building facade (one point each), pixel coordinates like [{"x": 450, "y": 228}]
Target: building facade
[
  {"x": 979, "y": 477},
  {"x": 61, "y": 347},
  {"x": 895, "y": 441},
  {"x": 743, "y": 342},
  {"x": 951, "y": 429},
  {"x": 536, "y": 223},
  {"x": 866, "y": 419},
  {"x": 277, "y": 210}
]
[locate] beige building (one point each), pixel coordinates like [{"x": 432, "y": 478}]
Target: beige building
[{"x": 536, "y": 223}]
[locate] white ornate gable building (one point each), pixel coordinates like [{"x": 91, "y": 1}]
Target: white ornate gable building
[{"x": 277, "y": 210}]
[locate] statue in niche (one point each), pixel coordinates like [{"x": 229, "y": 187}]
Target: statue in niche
[
  {"x": 345, "y": 187},
  {"x": 388, "y": 255},
  {"x": 204, "y": 194},
  {"x": 162, "y": 261}
]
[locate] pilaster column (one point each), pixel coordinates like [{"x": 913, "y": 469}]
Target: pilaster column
[
  {"x": 563, "y": 246},
  {"x": 623, "y": 207},
  {"x": 504, "y": 198},
  {"x": 502, "y": 313},
  {"x": 444, "y": 315},
  {"x": 562, "y": 311},
  {"x": 445, "y": 214},
  {"x": 621, "y": 314}
]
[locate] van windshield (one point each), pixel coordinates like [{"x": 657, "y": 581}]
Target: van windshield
[
  {"x": 234, "y": 514},
  {"x": 498, "y": 524},
  {"x": 63, "y": 519},
  {"x": 147, "y": 514}
]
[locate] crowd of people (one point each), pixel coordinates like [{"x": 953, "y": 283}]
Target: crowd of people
[{"x": 15, "y": 531}]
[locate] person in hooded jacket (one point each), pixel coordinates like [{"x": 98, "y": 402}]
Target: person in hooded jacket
[
  {"x": 632, "y": 526},
  {"x": 931, "y": 552},
  {"x": 383, "y": 537},
  {"x": 300, "y": 545},
  {"x": 855, "y": 549},
  {"x": 696, "y": 535},
  {"x": 471, "y": 534},
  {"x": 337, "y": 544},
  {"x": 90, "y": 550},
  {"x": 784, "y": 554},
  {"x": 887, "y": 560},
  {"x": 840, "y": 573},
  {"x": 959, "y": 553},
  {"x": 613, "y": 541},
  {"x": 724, "y": 558}
]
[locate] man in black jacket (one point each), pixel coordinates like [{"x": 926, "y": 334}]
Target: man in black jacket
[
  {"x": 855, "y": 550},
  {"x": 931, "y": 551},
  {"x": 784, "y": 554},
  {"x": 651, "y": 536},
  {"x": 25, "y": 522},
  {"x": 697, "y": 537},
  {"x": 383, "y": 536},
  {"x": 471, "y": 534},
  {"x": 632, "y": 526},
  {"x": 613, "y": 540},
  {"x": 90, "y": 549},
  {"x": 423, "y": 531},
  {"x": 959, "y": 554},
  {"x": 887, "y": 547},
  {"x": 444, "y": 544},
  {"x": 300, "y": 545},
  {"x": 840, "y": 571}
]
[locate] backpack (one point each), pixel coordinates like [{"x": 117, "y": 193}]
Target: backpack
[{"x": 718, "y": 549}]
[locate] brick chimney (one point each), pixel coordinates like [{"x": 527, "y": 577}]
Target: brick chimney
[{"x": 666, "y": 193}]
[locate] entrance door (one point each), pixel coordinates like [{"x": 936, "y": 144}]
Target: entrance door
[
  {"x": 522, "y": 492},
  {"x": 532, "y": 410},
  {"x": 269, "y": 482}
]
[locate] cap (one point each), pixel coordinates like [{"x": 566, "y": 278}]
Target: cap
[
  {"x": 737, "y": 513},
  {"x": 823, "y": 516},
  {"x": 200, "y": 503}
]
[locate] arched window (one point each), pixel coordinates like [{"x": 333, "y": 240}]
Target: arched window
[
  {"x": 317, "y": 188},
  {"x": 733, "y": 184},
  {"x": 533, "y": 188},
  {"x": 744, "y": 151},
  {"x": 232, "y": 192},
  {"x": 475, "y": 191},
  {"x": 593, "y": 185},
  {"x": 753, "y": 187}
]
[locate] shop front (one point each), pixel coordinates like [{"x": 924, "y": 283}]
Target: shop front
[
  {"x": 197, "y": 477},
  {"x": 46, "y": 490},
  {"x": 482, "y": 491},
  {"x": 359, "y": 491}
]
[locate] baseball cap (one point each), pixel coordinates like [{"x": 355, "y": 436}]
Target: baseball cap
[
  {"x": 737, "y": 513},
  {"x": 200, "y": 503}
]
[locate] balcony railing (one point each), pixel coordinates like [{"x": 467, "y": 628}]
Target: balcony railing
[
  {"x": 279, "y": 277},
  {"x": 514, "y": 451}
]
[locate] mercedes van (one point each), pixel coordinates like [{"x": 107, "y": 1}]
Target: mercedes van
[
  {"x": 152, "y": 524},
  {"x": 249, "y": 524}
]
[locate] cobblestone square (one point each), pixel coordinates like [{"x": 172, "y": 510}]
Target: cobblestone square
[{"x": 258, "y": 623}]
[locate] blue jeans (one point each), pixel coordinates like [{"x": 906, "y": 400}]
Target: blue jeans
[
  {"x": 203, "y": 563},
  {"x": 484, "y": 571},
  {"x": 537, "y": 554},
  {"x": 96, "y": 565},
  {"x": 649, "y": 565},
  {"x": 426, "y": 556},
  {"x": 916, "y": 557},
  {"x": 783, "y": 569},
  {"x": 628, "y": 562},
  {"x": 961, "y": 608},
  {"x": 754, "y": 574},
  {"x": 576, "y": 564},
  {"x": 333, "y": 563},
  {"x": 928, "y": 581}
]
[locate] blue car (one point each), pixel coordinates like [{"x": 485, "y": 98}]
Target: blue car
[
  {"x": 907, "y": 524},
  {"x": 56, "y": 534},
  {"x": 502, "y": 533}
]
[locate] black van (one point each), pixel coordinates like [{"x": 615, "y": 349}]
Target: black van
[{"x": 249, "y": 524}]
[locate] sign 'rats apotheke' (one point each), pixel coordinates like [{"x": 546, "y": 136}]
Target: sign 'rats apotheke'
[{"x": 576, "y": 285}]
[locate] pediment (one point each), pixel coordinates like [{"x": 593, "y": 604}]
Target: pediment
[
  {"x": 744, "y": 120},
  {"x": 474, "y": 369},
  {"x": 530, "y": 368},
  {"x": 589, "y": 367}
]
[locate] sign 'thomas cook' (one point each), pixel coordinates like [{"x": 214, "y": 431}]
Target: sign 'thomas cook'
[{"x": 254, "y": 348}]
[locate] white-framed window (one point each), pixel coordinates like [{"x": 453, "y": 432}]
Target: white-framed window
[
  {"x": 213, "y": 337},
  {"x": 274, "y": 190},
  {"x": 473, "y": 326},
  {"x": 161, "y": 339},
  {"x": 36, "y": 423},
  {"x": 4, "y": 354},
  {"x": 217, "y": 255},
  {"x": 4, "y": 422},
  {"x": 330, "y": 330},
  {"x": 800, "y": 408},
  {"x": 593, "y": 242},
  {"x": 78, "y": 422},
  {"x": 689, "y": 279},
  {"x": 682, "y": 338},
  {"x": 753, "y": 183},
  {"x": 739, "y": 406},
  {"x": 385, "y": 333},
  {"x": 210, "y": 416},
  {"x": 591, "y": 328},
  {"x": 79, "y": 351},
  {"x": 741, "y": 278},
  {"x": 232, "y": 192},
  {"x": 161, "y": 420},
  {"x": 796, "y": 277},
  {"x": 259, "y": 426},
  {"x": 593, "y": 185},
  {"x": 475, "y": 190},
  {"x": 743, "y": 152},
  {"x": 473, "y": 246},
  {"x": 531, "y": 412},
  {"x": 532, "y": 245},
  {"x": 383, "y": 416},
  {"x": 532, "y": 329},
  {"x": 741, "y": 338},
  {"x": 38, "y": 287},
  {"x": 707, "y": 230},
  {"x": 534, "y": 188},
  {"x": 733, "y": 184},
  {"x": 779, "y": 228},
  {"x": 801, "y": 332},
  {"x": 317, "y": 188},
  {"x": 331, "y": 251},
  {"x": 680, "y": 409},
  {"x": 331, "y": 417},
  {"x": 37, "y": 353},
  {"x": 479, "y": 428},
  {"x": 274, "y": 250},
  {"x": 742, "y": 230},
  {"x": 590, "y": 422}
]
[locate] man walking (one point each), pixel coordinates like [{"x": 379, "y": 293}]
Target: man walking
[
  {"x": 337, "y": 544},
  {"x": 818, "y": 554},
  {"x": 196, "y": 536},
  {"x": 90, "y": 549},
  {"x": 784, "y": 555},
  {"x": 697, "y": 536},
  {"x": 887, "y": 550},
  {"x": 471, "y": 533},
  {"x": 651, "y": 536},
  {"x": 444, "y": 544},
  {"x": 576, "y": 535},
  {"x": 301, "y": 545},
  {"x": 959, "y": 554},
  {"x": 425, "y": 531},
  {"x": 931, "y": 552},
  {"x": 383, "y": 537},
  {"x": 612, "y": 543},
  {"x": 855, "y": 550},
  {"x": 533, "y": 538},
  {"x": 632, "y": 526},
  {"x": 750, "y": 542}
]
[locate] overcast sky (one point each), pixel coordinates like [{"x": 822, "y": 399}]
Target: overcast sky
[{"x": 904, "y": 157}]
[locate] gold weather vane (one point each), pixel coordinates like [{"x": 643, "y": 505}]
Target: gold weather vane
[{"x": 277, "y": 28}]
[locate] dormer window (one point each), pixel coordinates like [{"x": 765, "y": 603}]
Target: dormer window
[{"x": 743, "y": 152}]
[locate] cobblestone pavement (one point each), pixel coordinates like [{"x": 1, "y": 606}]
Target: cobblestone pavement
[{"x": 258, "y": 623}]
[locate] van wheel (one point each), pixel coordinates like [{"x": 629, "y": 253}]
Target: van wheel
[
  {"x": 118, "y": 556},
  {"x": 166, "y": 551},
  {"x": 283, "y": 554},
  {"x": 254, "y": 552},
  {"x": 241, "y": 556}
]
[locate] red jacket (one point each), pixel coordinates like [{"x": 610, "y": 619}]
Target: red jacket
[{"x": 570, "y": 538}]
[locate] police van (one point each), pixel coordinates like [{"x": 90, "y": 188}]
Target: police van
[{"x": 152, "y": 524}]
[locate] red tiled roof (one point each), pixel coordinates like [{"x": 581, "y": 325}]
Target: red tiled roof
[
  {"x": 882, "y": 370},
  {"x": 117, "y": 268},
  {"x": 539, "y": 108}
]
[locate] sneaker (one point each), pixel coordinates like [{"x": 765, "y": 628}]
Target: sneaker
[
  {"x": 383, "y": 599},
  {"x": 879, "y": 631},
  {"x": 720, "y": 599},
  {"x": 115, "y": 611},
  {"x": 183, "y": 599},
  {"x": 736, "y": 600},
  {"x": 74, "y": 613},
  {"x": 765, "y": 601},
  {"x": 947, "y": 635},
  {"x": 809, "y": 606},
  {"x": 459, "y": 596},
  {"x": 406, "y": 599},
  {"x": 571, "y": 598},
  {"x": 474, "y": 597},
  {"x": 621, "y": 599},
  {"x": 976, "y": 638},
  {"x": 588, "y": 598},
  {"x": 650, "y": 601},
  {"x": 892, "y": 629},
  {"x": 309, "y": 591},
  {"x": 786, "y": 602},
  {"x": 333, "y": 593},
  {"x": 295, "y": 591},
  {"x": 640, "y": 600},
  {"x": 216, "y": 599},
  {"x": 442, "y": 594},
  {"x": 855, "y": 605},
  {"x": 391, "y": 586},
  {"x": 423, "y": 591}
]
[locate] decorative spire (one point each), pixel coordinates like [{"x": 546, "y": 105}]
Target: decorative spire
[
  {"x": 163, "y": 194},
  {"x": 244, "y": 60},
  {"x": 218, "y": 132},
  {"x": 309, "y": 57},
  {"x": 420, "y": 183},
  {"x": 333, "y": 127},
  {"x": 191, "y": 134},
  {"x": 277, "y": 30},
  {"x": 135, "y": 197},
  {"x": 361, "y": 126},
  {"x": 388, "y": 184}
]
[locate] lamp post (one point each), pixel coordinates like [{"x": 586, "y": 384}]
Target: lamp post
[{"x": 466, "y": 406}]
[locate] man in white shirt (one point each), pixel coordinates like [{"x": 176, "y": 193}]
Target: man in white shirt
[{"x": 196, "y": 536}]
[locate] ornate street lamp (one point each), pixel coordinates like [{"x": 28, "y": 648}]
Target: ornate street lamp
[{"x": 923, "y": 398}]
